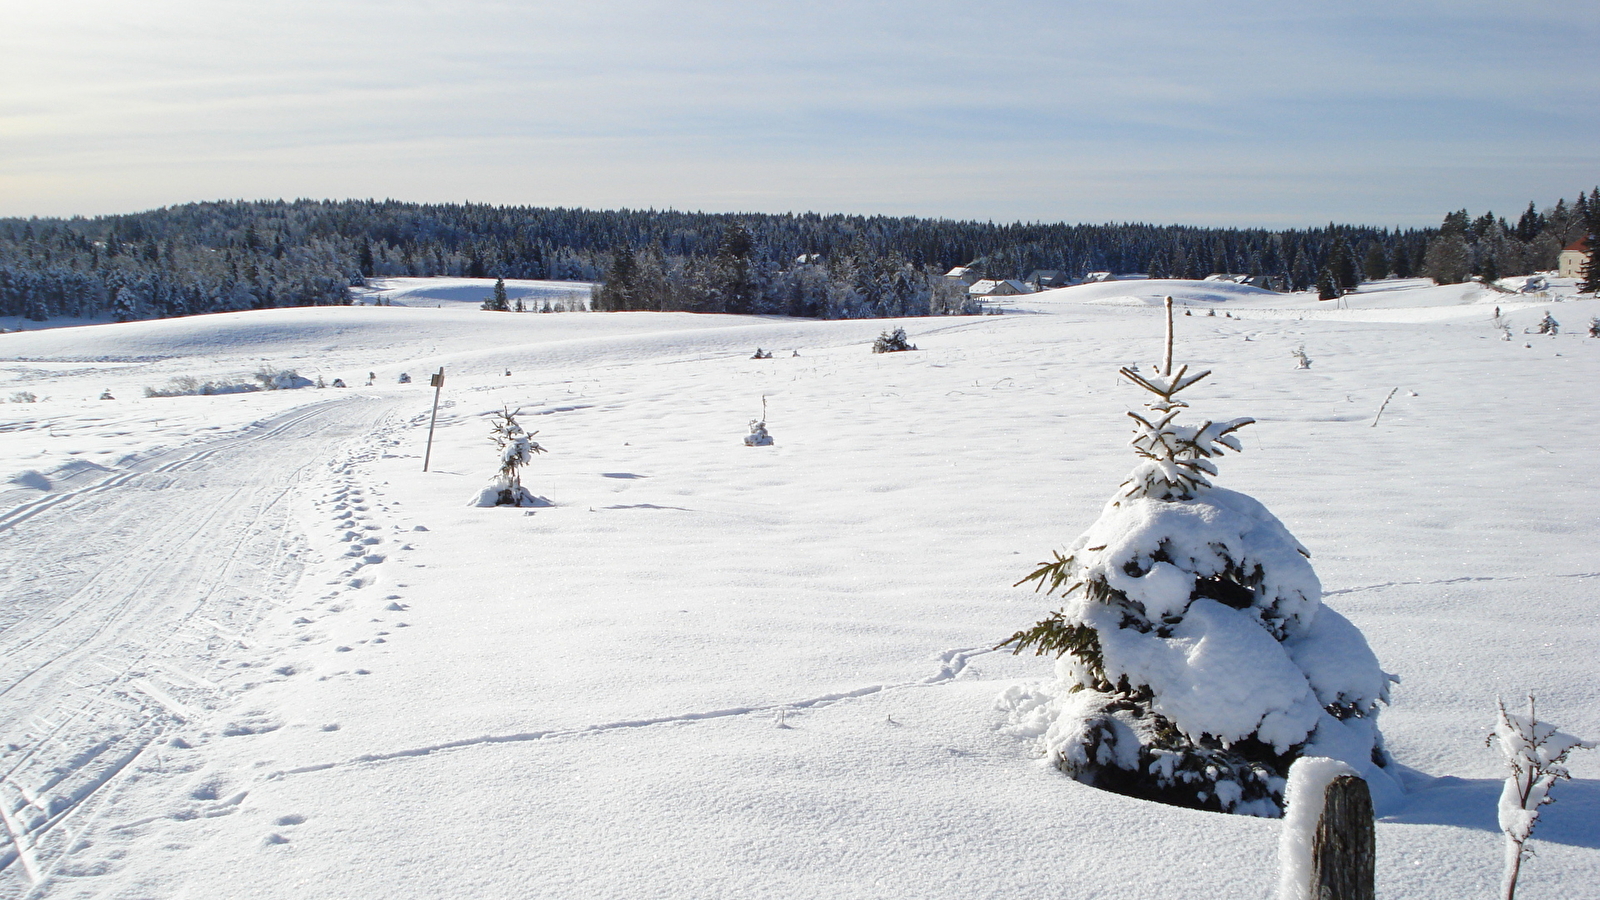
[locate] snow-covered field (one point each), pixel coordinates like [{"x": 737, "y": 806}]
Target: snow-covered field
[
  {"x": 248, "y": 648},
  {"x": 469, "y": 293}
]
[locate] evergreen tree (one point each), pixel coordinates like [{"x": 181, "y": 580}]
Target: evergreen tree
[
  {"x": 1327, "y": 285},
  {"x": 1589, "y": 274},
  {"x": 498, "y": 302},
  {"x": 517, "y": 449},
  {"x": 1196, "y": 660},
  {"x": 1376, "y": 264},
  {"x": 1342, "y": 263}
]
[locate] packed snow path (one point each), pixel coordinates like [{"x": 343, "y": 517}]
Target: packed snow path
[{"x": 129, "y": 601}]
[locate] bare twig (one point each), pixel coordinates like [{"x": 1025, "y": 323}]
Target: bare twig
[
  {"x": 1382, "y": 408},
  {"x": 1166, "y": 365}
]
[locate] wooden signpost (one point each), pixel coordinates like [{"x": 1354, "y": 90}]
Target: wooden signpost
[{"x": 437, "y": 380}]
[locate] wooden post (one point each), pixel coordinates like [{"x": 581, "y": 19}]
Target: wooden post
[
  {"x": 1344, "y": 850},
  {"x": 438, "y": 385}
]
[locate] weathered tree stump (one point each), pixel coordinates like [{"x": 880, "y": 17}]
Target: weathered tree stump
[{"x": 1343, "y": 853}]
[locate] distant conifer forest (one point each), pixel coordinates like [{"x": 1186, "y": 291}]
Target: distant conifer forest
[{"x": 238, "y": 255}]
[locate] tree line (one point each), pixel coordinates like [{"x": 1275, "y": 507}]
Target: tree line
[{"x": 235, "y": 255}]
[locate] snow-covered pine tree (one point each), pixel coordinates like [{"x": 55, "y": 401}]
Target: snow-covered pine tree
[
  {"x": 892, "y": 342},
  {"x": 517, "y": 448},
  {"x": 1196, "y": 661}
]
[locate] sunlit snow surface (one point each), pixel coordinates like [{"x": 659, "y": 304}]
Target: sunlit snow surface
[{"x": 252, "y": 650}]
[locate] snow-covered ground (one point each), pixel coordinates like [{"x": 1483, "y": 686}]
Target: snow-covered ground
[
  {"x": 456, "y": 293},
  {"x": 251, "y": 649}
]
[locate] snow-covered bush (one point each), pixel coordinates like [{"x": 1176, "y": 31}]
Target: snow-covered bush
[
  {"x": 281, "y": 379},
  {"x": 1196, "y": 661},
  {"x": 759, "y": 436},
  {"x": 1535, "y": 754},
  {"x": 517, "y": 448},
  {"x": 1302, "y": 361},
  {"x": 892, "y": 342},
  {"x": 1594, "y": 327},
  {"x": 263, "y": 380},
  {"x": 187, "y": 386},
  {"x": 24, "y": 397},
  {"x": 1547, "y": 325}
]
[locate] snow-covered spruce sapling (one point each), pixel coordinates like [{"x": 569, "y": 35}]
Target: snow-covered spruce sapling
[
  {"x": 759, "y": 436},
  {"x": 1535, "y": 754},
  {"x": 1302, "y": 361},
  {"x": 1594, "y": 327},
  {"x": 1547, "y": 325},
  {"x": 1196, "y": 661},
  {"x": 892, "y": 342},
  {"x": 517, "y": 448}
]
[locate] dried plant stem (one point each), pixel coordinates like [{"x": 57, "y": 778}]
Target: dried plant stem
[
  {"x": 1382, "y": 408},
  {"x": 1166, "y": 363}
]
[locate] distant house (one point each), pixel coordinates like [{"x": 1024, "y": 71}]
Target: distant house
[
  {"x": 990, "y": 287},
  {"x": 1570, "y": 263},
  {"x": 967, "y": 275},
  {"x": 1265, "y": 282},
  {"x": 1045, "y": 279}
]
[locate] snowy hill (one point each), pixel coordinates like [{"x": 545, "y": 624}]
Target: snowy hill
[{"x": 253, "y": 650}]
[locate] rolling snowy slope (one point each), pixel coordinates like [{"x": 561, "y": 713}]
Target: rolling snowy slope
[{"x": 248, "y": 648}]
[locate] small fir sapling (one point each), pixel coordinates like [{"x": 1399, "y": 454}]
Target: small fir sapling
[
  {"x": 1302, "y": 361},
  {"x": 1594, "y": 327},
  {"x": 892, "y": 342},
  {"x": 405, "y": 377},
  {"x": 762, "y": 354},
  {"x": 1535, "y": 754},
  {"x": 1195, "y": 660},
  {"x": 517, "y": 448},
  {"x": 759, "y": 436},
  {"x": 1547, "y": 325}
]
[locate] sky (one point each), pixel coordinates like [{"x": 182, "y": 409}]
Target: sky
[{"x": 1230, "y": 113}]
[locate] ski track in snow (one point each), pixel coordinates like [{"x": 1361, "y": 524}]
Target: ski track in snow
[
  {"x": 952, "y": 664},
  {"x": 105, "y": 651},
  {"x": 1465, "y": 579}
]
